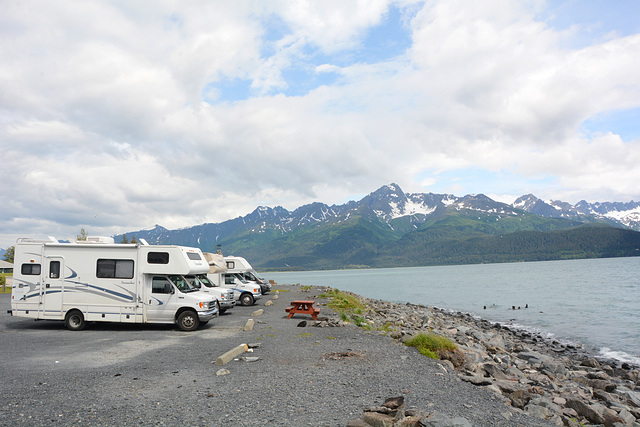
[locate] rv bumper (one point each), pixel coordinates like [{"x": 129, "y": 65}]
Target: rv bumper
[
  {"x": 205, "y": 316},
  {"x": 227, "y": 304},
  {"x": 257, "y": 295},
  {"x": 265, "y": 288}
]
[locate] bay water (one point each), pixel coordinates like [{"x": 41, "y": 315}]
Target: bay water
[{"x": 593, "y": 303}]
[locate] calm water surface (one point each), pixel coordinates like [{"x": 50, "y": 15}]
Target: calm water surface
[{"x": 594, "y": 302}]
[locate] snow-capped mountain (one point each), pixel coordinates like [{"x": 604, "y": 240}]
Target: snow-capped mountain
[
  {"x": 621, "y": 214},
  {"x": 400, "y": 211},
  {"x": 391, "y": 228}
]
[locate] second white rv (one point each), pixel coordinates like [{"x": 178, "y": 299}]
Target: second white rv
[
  {"x": 246, "y": 293},
  {"x": 241, "y": 266}
]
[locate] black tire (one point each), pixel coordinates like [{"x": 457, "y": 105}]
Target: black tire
[
  {"x": 74, "y": 320},
  {"x": 188, "y": 321},
  {"x": 246, "y": 299}
]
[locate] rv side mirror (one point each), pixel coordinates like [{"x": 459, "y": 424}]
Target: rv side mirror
[{"x": 168, "y": 289}]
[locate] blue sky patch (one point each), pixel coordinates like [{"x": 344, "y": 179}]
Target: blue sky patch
[
  {"x": 625, "y": 123},
  {"x": 226, "y": 91},
  {"x": 596, "y": 19},
  {"x": 473, "y": 180}
]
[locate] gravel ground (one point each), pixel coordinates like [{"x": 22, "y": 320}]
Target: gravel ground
[{"x": 117, "y": 374}]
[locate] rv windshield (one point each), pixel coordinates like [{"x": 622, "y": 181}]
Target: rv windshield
[
  {"x": 240, "y": 277},
  {"x": 182, "y": 284},
  {"x": 250, "y": 276},
  {"x": 193, "y": 281},
  {"x": 205, "y": 280}
]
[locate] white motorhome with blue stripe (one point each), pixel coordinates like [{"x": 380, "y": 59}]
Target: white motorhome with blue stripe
[{"x": 98, "y": 280}]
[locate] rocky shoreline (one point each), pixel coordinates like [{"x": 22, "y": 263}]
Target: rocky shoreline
[{"x": 550, "y": 380}]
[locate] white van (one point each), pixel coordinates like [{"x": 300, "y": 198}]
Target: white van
[{"x": 98, "y": 280}]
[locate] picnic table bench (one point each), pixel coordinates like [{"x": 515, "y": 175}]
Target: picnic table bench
[{"x": 302, "y": 307}]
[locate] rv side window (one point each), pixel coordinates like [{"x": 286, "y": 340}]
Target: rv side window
[
  {"x": 30, "y": 269},
  {"x": 115, "y": 269},
  {"x": 229, "y": 279},
  {"x": 158, "y": 257},
  {"x": 54, "y": 270},
  {"x": 194, "y": 256},
  {"x": 231, "y": 265},
  {"x": 160, "y": 285}
]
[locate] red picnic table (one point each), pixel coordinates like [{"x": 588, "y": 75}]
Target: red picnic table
[{"x": 302, "y": 307}]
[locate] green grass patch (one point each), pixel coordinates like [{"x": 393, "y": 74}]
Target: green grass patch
[
  {"x": 348, "y": 307},
  {"x": 431, "y": 345},
  {"x": 386, "y": 327}
]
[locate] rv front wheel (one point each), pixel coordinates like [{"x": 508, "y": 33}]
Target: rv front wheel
[
  {"x": 246, "y": 299},
  {"x": 188, "y": 321},
  {"x": 74, "y": 320}
]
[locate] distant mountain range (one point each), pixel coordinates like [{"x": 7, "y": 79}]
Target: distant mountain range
[{"x": 390, "y": 228}]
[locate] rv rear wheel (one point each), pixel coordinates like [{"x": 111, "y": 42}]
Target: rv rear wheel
[
  {"x": 74, "y": 320},
  {"x": 188, "y": 321},
  {"x": 246, "y": 299}
]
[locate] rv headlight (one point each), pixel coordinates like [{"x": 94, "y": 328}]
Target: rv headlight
[{"x": 204, "y": 305}]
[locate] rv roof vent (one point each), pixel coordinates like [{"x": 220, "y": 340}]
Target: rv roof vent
[{"x": 99, "y": 239}]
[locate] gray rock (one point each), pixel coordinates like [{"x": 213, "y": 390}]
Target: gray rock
[
  {"x": 533, "y": 357},
  {"x": 605, "y": 385},
  {"x": 520, "y": 398},
  {"x": 633, "y": 376},
  {"x": 507, "y": 386},
  {"x": 555, "y": 368},
  {"x": 439, "y": 420},
  {"x": 492, "y": 370},
  {"x": 591, "y": 363},
  {"x": 632, "y": 396},
  {"x": 538, "y": 411},
  {"x": 594, "y": 413},
  {"x": 626, "y": 417},
  {"x": 476, "y": 380}
]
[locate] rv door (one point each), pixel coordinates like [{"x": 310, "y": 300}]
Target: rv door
[
  {"x": 52, "y": 289},
  {"x": 162, "y": 302}
]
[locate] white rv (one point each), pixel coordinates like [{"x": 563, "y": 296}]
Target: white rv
[
  {"x": 226, "y": 297},
  {"x": 246, "y": 293},
  {"x": 241, "y": 266},
  {"x": 97, "y": 280}
]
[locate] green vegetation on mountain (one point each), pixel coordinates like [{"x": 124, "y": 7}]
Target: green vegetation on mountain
[{"x": 461, "y": 237}]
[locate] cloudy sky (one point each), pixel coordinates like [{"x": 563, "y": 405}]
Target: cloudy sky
[{"x": 118, "y": 115}]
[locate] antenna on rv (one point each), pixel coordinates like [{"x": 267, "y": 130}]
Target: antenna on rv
[
  {"x": 53, "y": 239},
  {"x": 143, "y": 242},
  {"x": 219, "y": 249}
]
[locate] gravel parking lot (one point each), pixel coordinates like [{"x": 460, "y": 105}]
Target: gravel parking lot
[{"x": 117, "y": 374}]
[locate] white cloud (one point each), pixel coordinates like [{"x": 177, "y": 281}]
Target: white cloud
[{"x": 104, "y": 124}]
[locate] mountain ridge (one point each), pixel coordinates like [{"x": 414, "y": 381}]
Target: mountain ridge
[{"x": 387, "y": 226}]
